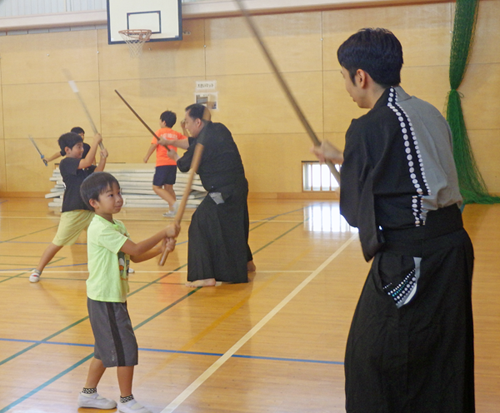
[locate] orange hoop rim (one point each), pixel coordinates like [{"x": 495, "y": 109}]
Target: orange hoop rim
[{"x": 141, "y": 35}]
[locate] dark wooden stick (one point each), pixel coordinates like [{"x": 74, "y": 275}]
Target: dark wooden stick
[
  {"x": 137, "y": 115},
  {"x": 195, "y": 162},
  {"x": 73, "y": 86},
  {"x": 285, "y": 86}
]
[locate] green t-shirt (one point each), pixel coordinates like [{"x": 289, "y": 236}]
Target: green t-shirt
[{"x": 108, "y": 266}]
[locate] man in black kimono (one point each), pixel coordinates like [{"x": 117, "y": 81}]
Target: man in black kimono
[
  {"x": 218, "y": 235},
  {"x": 410, "y": 346}
]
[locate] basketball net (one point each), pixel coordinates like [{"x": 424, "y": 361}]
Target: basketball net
[{"x": 135, "y": 40}]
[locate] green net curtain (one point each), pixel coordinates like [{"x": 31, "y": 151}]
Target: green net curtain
[{"x": 472, "y": 185}]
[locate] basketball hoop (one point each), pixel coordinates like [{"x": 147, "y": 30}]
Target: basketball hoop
[{"x": 135, "y": 40}]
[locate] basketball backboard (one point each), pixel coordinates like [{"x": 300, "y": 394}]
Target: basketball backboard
[{"x": 162, "y": 17}]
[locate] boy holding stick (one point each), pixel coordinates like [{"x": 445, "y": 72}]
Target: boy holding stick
[
  {"x": 75, "y": 215},
  {"x": 109, "y": 253}
]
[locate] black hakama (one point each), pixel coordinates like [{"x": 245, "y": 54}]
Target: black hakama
[
  {"x": 218, "y": 239},
  {"x": 218, "y": 233},
  {"x": 418, "y": 358}
]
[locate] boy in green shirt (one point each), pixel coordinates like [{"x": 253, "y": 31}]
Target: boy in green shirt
[{"x": 109, "y": 253}]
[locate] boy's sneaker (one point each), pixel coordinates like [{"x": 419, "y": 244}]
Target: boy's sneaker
[
  {"x": 132, "y": 406},
  {"x": 173, "y": 211},
  {"x": 176, "y": 207},
  {"x": 35, "y": 276},
  {"x": 130, "y": 270},
  {"x": 94, "y": 401}
]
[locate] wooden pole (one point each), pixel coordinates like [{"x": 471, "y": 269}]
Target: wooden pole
[
  {"x": 137, "y": 115},
  {"x": 195, "y": 163},
  {"x": 38, "y": 150},
  {"x": 73, "y": 86},
  {"x": 285, "y": 86}
]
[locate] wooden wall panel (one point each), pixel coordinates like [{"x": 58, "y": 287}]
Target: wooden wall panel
[
  {"x": 294, "y": 41},
  {"x": 486, "y": 147},
  {"x": 40, "y": 58},
  {"x": 481, "y": 91},
  {"x": 480, "y": 101},
  {"x": 3, "y": 176},
  {"x": 2, "y": 132},
  {"x": 486, "y": 48},
  {"x": 24, "y": 170},
  {"x": 48, "y": 109},
  {"x": 481, "y": 94},
  {"x": 428, "y": 83},
  {"x": 3, "y": 172},
  {"x": 256, "y": 104},
  {"x": 272, "y": 167},
  {"x": 423, "y": 30}
]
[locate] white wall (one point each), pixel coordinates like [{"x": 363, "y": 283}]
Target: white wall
[{"x": 12, "y": 8}]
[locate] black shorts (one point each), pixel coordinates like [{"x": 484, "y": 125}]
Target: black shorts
[
  {"x": 165, "y": 175},
  {"x": 115, "y": 342}
]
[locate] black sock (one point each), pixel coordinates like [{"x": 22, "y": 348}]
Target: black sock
[
  {"x": 126, "y": 399},
  {"x": 89, "y": 390}
]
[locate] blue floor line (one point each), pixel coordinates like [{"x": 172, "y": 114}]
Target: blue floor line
[{"x": 195, "y": 353}]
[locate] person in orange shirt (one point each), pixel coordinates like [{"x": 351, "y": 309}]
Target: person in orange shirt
[{"x": 166, "y": 168}]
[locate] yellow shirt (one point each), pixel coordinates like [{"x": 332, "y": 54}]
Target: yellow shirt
[{"x": 108, "y": 266}]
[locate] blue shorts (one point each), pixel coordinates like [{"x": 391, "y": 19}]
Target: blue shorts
[{"x": 165, "y": 175}]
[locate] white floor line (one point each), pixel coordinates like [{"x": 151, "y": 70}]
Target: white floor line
[
  {"x": 227, "y": 355},
  {"x": 86, "y": 271},
  {"x": 151, "y": 272},
  {"x": 153, "y": 219}
]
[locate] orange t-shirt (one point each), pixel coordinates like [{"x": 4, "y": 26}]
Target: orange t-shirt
[{"x": 161, "y": 152}]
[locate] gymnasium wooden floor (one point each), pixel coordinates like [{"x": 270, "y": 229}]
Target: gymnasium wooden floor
[{"x": 274, "y": 345}]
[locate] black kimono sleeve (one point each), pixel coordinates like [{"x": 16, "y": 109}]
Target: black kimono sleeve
[
  {"x": 184, "y": 162},
  {"x": 357, "y": 201}
]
